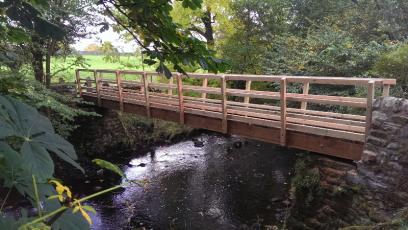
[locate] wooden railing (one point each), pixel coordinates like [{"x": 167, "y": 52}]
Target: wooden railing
[{"x": 171, "y": 96}]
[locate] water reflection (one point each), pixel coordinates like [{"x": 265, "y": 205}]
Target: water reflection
[{"x": 217, "y": 186}]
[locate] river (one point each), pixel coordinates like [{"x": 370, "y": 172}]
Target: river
[{"x": 228, "y": 183}]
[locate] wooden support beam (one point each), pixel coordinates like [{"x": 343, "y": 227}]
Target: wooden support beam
[
  {"x": 78, "y": 81},
  {"x": 146, "y": 94},
  {"x": 305, "y": 88},
  {"x": 180, "y": 97},
  {"x": 120, "y": 91},
  {"x": 98, "y": 86},
  {"x": 170, "y": 90},
  {"x": 386, "y": 90},
  {"x": 247, "y": 88},
  {"x": 369, "y": 110},
  {"x": 205, "y": 83},
  {"x": 224, "y": 104},
  {"x": 283, "y": 111}
]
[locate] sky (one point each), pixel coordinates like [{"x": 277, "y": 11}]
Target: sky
[{"x": 109, "y": 35}]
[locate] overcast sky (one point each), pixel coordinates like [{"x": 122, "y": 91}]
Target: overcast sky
[{"x": 109, "y": 35}]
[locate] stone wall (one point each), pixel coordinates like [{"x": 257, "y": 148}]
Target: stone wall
[{"x": 370, "y": 192}]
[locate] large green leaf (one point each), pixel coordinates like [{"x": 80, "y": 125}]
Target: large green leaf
[
  {"x": 38, "y": 136},
  {"x": 37, "y": 160}
]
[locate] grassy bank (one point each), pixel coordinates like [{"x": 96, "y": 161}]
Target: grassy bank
[{"x": 65, "y": 67}]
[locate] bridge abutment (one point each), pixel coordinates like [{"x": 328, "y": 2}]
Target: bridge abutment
[{"x": 371, "y": 192}]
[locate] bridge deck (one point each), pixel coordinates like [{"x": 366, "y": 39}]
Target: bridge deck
[{"x": 232, "y": 111}]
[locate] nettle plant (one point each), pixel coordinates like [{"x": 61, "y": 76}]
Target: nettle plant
[{"x": 27, "y": 141}]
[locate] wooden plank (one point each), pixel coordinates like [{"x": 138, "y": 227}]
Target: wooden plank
[
  {"x": 276, "y": 78},
  {"x": 295, "y": 139},
  {"x": 283, "y": 111},
  {"x": 119, "y": 85},
  {"x": 305, "y": 88},
  {"x": 180, "y": 97},
  {"x": 247, "y": 88},
  {"x": 171, "y": 82},
  {"x": 98, "y": 86},
  {"x": 369, "y": 110},
  {"x": 146, "y": 93},
  {"x": 205, "y": 83},
  {"x": 78, "y": 79},
  {"x": 386, "y": 91},
  {"x": 224, "y": 104}
]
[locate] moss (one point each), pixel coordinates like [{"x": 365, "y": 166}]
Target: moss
[
  {"x": 306, "y": 184},
  {"x": 153, "y": 130}
]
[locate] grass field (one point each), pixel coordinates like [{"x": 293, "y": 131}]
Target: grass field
[{"x": 65, "y": 67}]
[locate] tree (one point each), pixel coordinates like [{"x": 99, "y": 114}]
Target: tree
[
  {"x": 152, "y": 27},
  {"x": 111, "y": 53},
  {"x": 93, "y": 47}
]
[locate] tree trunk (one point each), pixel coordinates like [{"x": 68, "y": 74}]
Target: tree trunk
[
  {"x": 38, "y": 57},
  {"x": 209, "y": 32},
  {"x": 48, "y": 64}
]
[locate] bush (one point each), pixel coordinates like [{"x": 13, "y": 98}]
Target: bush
[
  {"x": 59, "y": 107},
  {"x": 395, "y": 65}
]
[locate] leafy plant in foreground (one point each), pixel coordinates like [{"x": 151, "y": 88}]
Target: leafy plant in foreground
[{"x": 27, "y": 144}]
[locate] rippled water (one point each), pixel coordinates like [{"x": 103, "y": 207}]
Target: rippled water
[{"x": 218, "y": 186}]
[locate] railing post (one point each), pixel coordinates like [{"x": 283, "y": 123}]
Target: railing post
[
  {"x": 119, "y": 83},
  {"x": 205, "y": 83},
  {"x": 369, "y": 110},
  {"x": 78, "y": 79},
  {"x": 98, "y": 87},
  {"x": 146, "y": 93},
  {"x": 224, "y": 104},
  {"x": 283, "y": 111},
  {"x": 386, "y": 90},
  {"x": 180, "y": 97},
  {"x": 171, "y": 82},
  {"x": 88, "y": 84},
  {"x": 247, "y": 88},
  {"x": 305, "y": 88}
]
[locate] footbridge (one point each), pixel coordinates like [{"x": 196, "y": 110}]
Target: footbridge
[{"x": 289, "y": 116}]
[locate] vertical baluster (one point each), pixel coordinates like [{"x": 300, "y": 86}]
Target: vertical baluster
[
  {"x": 171, "y": 82},
  {"x": 79, "y": 87},
  {"x": 283, "y": 111},
  {"x": 224, "y": 104},
  {"x": 247, "y": 88},
  {"x": 146, "y": 93},
  {"x": 386, "y": 90},
  {"x": 119, "y": 84},
  {"x": 98, "y": 87},
  {"x": 205, "y": 83},
  {"x": 305, "y": 88},
  {"x": 369, "y": 110},
  {"x": 180, "y": 97}
]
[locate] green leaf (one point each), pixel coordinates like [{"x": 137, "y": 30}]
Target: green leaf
[
  {"x": 107, "y": 165},
  {"x": 37, "y": 160},
  {"x": 20, "y": 120}
]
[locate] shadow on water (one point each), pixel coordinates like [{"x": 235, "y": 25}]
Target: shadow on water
[{"x": 221, "y": 185}]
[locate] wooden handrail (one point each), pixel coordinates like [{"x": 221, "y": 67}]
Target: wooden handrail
[
  {"x": 301, "y": 119},
  {"x": 379, "y": 82}
]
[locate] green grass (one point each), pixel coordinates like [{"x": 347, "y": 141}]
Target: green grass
[{"x": 93, "y": 62}]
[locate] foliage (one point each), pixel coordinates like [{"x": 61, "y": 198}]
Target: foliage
[
  {"x": 37, "y": 95},
  {"x": 151, "y": 25},
  {"x": 306, "y": 184},
  {"x": 111, "y": 53},
  {"x": 395, "y": 65},
  {"x": 27, "y": 140}
]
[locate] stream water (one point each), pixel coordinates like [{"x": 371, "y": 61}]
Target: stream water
[{"x": 221, "y": 185}]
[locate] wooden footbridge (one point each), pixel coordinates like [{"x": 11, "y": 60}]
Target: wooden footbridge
[{"x": 210, "y": 104}]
